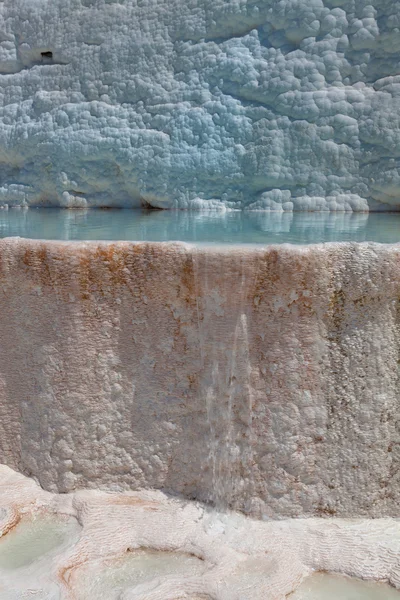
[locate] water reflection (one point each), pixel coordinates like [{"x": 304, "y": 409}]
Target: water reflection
[{"x": 203, "y": 227}]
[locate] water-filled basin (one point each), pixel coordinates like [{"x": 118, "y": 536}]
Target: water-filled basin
[
  {"x": 34, "y": 537},
  {"x": 29, "y": 555},
  {"x": 328, "y": 586},
  {"x": 204, "y": 227},
  {"x": 106, "y": 580}
]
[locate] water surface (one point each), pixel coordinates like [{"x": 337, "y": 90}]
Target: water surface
[
  {"x": 107, "y": 580},
  {"x": 34, "y": 537},
  {"x": 203, "y": 227},
  {"x": 327, "y": 586},
  {"x": 29, "y": 552}
]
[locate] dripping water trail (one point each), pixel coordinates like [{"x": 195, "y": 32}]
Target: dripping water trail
[{"x": 223, "y": 312}]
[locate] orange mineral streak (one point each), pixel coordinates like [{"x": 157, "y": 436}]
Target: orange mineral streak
[
  {"x": 133, "y": 501},
  {"x": 13, "y": 518},
  {"x": 262, "y": 378}
]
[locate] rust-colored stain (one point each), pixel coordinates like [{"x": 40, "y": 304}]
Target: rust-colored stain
[
  {"x": 133, "y": 501},
  {"x": 37, "y": 259},
  {"x": 336, "y": 306},
  {"x": 64, "y": 575},
  {"x": 188, "y": 282},
  {"x": 11, "y": 523},
  {"x": 275, "y": 277},
  {"x": 361, "y": 301}
]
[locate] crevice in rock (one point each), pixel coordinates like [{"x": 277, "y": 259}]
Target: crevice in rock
[{"x": 147, "y": 206}]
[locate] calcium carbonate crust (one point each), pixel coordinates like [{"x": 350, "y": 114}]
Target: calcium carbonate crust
[
  {"x": 256, "y": 104},
  {"x": 241, "y": 558},
  {"x": 260, "y": 379}
]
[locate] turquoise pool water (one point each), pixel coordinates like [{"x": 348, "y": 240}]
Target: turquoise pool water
[{"x": 202, "y": 227}]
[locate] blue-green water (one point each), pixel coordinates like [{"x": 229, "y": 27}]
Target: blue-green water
[{"x": 202, "y": 227}]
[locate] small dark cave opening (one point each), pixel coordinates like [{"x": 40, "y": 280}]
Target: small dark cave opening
[
  {"x": 46, "y": 54},
  {"x": 147, "y": 206}
]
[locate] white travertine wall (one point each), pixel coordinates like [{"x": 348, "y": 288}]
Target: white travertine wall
[
  {"x": 264, "y": 379},
  {"x": 258, "y": 104}
]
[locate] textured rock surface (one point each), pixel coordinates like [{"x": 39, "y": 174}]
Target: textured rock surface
[
  {"x": 241, "y": 558},
  {"x": 263, "y": 379},
  {"x": 247, "y": 103}
]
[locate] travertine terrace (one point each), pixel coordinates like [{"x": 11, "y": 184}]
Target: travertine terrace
[
  {"x": 241, "y": 558},
  {"x": 226, "y": 416},
  {"x": 258, "y": 104},
  {"x": 260, "y": 379}
]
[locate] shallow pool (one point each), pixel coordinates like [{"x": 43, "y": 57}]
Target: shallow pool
[
  {"x": 34, "y": 537},
  {"x": 327, "y": 586},
  {"x": 107, "y": 580},
  {"x": 202, "y": 227},
  {"x": 29, "y": 554}
]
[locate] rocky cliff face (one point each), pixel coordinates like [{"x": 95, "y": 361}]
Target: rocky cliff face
[
  {"x": 260, "y": 379},
  {"x": 290, "y": 104}
]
